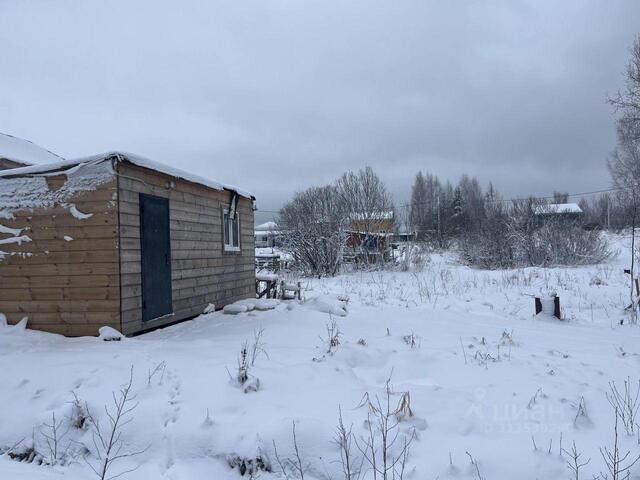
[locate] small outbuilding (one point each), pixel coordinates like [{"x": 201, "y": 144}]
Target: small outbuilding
[
  {"x": 121, "y": 241},
  {"x": 569, "y": 212},
  {"x": 267, "y": 235}
]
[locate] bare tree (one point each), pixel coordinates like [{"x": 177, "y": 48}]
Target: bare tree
[
  {"x": 313, "y": 224},
  {"x": 369, "y": 210},
  {"x": 317, "y": 222},
  {"x": 624, "y": 167},
  {"x": 627, "y": 101},
  {"x": 425, "y": 206},
  {"x": 560, "y": 197}
]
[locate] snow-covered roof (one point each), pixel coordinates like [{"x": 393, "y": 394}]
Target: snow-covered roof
[
  {"x": 30, "y": 192},
  {"x": 126, "y": 157},
  {"x": 25, "y": 151},
  {"x": 381, "y": 215},
  {"x": 266, "y": 227},
  {"x": 555, "y": 208}
]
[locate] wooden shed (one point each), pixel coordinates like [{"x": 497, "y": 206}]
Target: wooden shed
[{"x": 122, "y": 241}]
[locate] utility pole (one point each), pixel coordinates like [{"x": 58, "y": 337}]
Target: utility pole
[
  {"x": 608, "y": 212},
  {"x": 439, "y": 230}
]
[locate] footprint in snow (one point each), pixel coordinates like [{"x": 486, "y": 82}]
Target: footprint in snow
[{"x": 174, "y": 399}]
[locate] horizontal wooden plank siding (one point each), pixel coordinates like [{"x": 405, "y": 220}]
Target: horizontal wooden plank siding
[
  {"x": 67, "y": 278},
  {"x": 201, "y": 271}
]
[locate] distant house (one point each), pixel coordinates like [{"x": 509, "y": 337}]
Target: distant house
[
  {"x": 562, "y": 211},
  {"x": 404, "y": 236},
  {"x": 121, "y": 241},
  {"x": 267, "y": 235},
  {"x": 16, "y": 153},
  {"x": 368, "y": 235}
]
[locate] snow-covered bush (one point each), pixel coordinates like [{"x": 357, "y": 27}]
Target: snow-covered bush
[
  {"x": 246, "y": 361},
  {"x": 414, "y": 256},
  {"x": 517, "y": 237},
  {"x": 312, "y": 222}
]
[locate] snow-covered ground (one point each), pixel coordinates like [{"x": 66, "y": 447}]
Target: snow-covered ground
[{"x": 484, "y": 375}]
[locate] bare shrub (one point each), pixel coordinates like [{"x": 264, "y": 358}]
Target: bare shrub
[
  {"x": 158, "y": 369},
  {"x": 522, "y": 236},
  {"x": 344, "y": 439},
  {"x": 332, "y": 340},
  {"x": 291, "y": 467},
  {"x": 258, "y": 346},
  {"x": 386, "y": 447},
  {"x": 626, "y": 403},
  {"x": 243, "y": 378},
  {"x": 582, "y": 416},
  {"x": 414, "y": 257},
  {"x": 411, "y": 340},
  {"x": 574, "y": 464},
  {"x": 476, "y": 467},
  {"x": 618, "y": 464},
  {"x": 79, "y": 414},
  {"x": 109, "y": 447},
  {"x": 53, "y": 436}
]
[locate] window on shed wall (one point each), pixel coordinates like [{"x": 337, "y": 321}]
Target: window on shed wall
[{"x": 231, "y": 231}]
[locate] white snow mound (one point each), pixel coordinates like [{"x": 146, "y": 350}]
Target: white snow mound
[
  {"x": 328, "y": 304},
  {"x": 109, "y": 334}
]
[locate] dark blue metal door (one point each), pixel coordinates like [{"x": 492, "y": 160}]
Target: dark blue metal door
[{"x": 155, "y": 246}]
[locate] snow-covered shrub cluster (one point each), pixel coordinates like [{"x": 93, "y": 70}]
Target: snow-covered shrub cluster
[{"x": 519, "y": 238}]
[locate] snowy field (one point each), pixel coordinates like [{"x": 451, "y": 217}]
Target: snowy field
[{"x": 484, "y": 376}]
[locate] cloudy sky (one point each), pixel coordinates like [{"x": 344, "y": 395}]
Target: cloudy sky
[{"x": 276, "y": 96}]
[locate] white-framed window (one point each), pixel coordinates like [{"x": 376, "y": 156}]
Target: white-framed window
[{"x": 231, "y": 227}]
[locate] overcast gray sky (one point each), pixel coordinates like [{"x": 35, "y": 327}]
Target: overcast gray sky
[{"x": 276, "y": 96}]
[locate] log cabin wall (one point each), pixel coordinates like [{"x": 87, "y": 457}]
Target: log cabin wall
[
  {"x": 64, "y": 276},
  {"x": 201, "y": 271}
]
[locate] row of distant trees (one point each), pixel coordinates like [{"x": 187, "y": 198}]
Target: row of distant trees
[
  {"x": 440, "y": 212},
  {"x": 493, "y": 232}
]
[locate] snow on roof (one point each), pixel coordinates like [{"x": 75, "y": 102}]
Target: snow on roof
[
  {"x": 25, "y": 151},
  {"x": 266, "y": 227},
  {"x": 556, "y": 208},
  {"x": 382, "y": 215},
  {"x": 30, "y": 192},
  {"x": 122, "y": 156}
]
